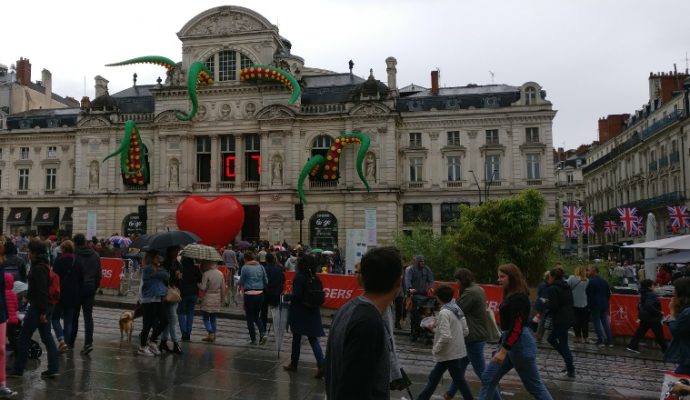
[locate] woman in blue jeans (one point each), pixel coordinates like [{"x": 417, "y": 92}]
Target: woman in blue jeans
[
  {"x": 472, "y": 302},
  {"x": 253, "y": 280},
  {"x": 517, "y": 348},
  {"x": 189, "y": 290}
]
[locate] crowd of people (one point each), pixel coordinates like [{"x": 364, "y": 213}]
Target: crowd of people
[{"x": 361, "y": 359}]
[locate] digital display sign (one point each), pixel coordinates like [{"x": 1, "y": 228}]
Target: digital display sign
[{"x": 229, "y": 166}]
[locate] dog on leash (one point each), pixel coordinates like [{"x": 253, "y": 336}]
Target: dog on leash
[{"x": 126, "y": 325}]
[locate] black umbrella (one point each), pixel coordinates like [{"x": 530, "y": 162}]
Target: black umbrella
[
  {"x": 162, "y": 240},
  {"x": 140, "y": 242}
]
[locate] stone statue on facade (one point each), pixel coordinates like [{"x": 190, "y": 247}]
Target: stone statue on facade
[
  {"x": 370, "y": 167},
  {"x": 93, "y": 175},
  {"x": 174, "y": 172},
  {"x": 277, "y": 171}
]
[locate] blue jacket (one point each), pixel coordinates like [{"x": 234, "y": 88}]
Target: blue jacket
[
  {"x": 598, "y": 293},
  {"x": 253, "y": 277},
  {"x": 679, "y": 350},
  {"x": 154, "y": 283}
]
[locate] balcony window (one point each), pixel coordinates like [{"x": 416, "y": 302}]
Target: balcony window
[
  {"x": 52, "y": 152},
  {"x": 227, "y": 158},
  {"x": 533, "y": 166},
  {"x": 416, "y": 169},
  {"x": 23, "y": 153},
  {"x": 51, "y": 179},
  {"x": 454, "y": 170},
  {"x": 532, "y": 135},
  {"x": 23, "y": 179},
  {"x": 252, "y": 158},
  {"x": 203, "y": 159},
  {"x": 321, "y": 146},
  {"x": 492, "y": 166},
  {"x": 415, "y": 213}
]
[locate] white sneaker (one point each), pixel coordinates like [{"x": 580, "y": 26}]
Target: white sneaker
[
  {"x": 153, "y": 348},
  {"x": 6, "y": 392},
  {"x": 144, "y": 351}
]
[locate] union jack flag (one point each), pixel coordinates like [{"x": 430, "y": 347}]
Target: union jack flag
[
  {"x": 587, "y": 227},
  {"x": 572, "y": 217},
  {"x": 628, "y": 217},
  {"x": 679, "y": 216},
  {"x": 638, "y": 229},
  {"x": 569, "y": 232},
  {"x": 610, "y": 227}
]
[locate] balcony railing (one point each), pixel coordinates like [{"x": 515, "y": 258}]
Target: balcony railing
[
  {"x": 201, "y": 185},
  {"x": 415, "y": 185},
  {"x": 22, "y": 192},
  {"x": 534, "y": 182},
  {"x": 653, "y": 166},
  {"x": 250, "y": 185},
  {"x": 136, "y": 188},
  {"x": 225, "y": 185},
  {"x": 323, "y": 184},
  {"x": 453, "y": 184}
]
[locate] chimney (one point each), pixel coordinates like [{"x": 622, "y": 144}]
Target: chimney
[
  {"x": 391, "y": 62},
  {"x": 101, "y": 86},
  {"x": 434, "y": 83},
  {"x": 85, "y": 103},
  {"x": 47, "y": 78},
  {"x": 23, "y": 71}
]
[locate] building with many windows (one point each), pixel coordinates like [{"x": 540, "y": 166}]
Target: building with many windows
[
  {"x": 431, "y": 149},
  {"x": 642, "y": 159}
]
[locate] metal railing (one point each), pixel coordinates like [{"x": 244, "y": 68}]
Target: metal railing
[
  {"x": 225, "y": 185},
  {"x": 250, "y": 185},
  {"x": 201, "y": 185},
  {"x": 323, "y": 184}
]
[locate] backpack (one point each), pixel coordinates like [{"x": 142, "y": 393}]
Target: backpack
[
  {"x": 314, "y": 296},
  {"x": 54, "y": 288}
]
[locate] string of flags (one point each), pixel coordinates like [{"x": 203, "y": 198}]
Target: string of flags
[{"x": 629, "y": 222}]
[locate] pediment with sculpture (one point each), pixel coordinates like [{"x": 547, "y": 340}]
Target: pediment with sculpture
[
  {"x": 275, "y": 112},
  {"x": 369, "y": 110},
  {"x": 223, "y": 21}
]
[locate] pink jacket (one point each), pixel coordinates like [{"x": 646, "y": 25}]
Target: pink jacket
[{"x": 11, "y": 300}]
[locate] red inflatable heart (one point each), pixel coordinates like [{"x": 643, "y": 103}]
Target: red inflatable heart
[{"x": 217, "y": 221}]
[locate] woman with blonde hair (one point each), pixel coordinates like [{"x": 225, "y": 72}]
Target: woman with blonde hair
[
  {"x": 517, "y": 348},
  {"x": 578, "y": 285}
]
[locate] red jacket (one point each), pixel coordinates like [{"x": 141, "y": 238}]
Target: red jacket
[{"x": 11, "y": 300}]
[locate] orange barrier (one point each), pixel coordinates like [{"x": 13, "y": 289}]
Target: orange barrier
[{"x": 111, "y": 269}]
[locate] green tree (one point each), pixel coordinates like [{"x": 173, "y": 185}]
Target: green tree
[
  {"x": 506, "y": 230},
  {"x": 438, "y": 251}
]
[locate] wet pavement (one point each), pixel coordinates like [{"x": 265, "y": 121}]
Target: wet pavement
[{"x": 233, "y": 369}]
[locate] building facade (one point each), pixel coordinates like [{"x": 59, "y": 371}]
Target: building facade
[
  {"x": 642, "y": 160},
  {"x": 431, "y": 149}
]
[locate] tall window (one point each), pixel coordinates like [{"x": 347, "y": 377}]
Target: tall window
[
  {"x": 320, "y": 146},
  {"x": 52, "y": 152},
  {"x": 223, "y": 65},
  {"x": 51, "y": 178},
  {"x": 533, "y": 166},
  {"x": 416, "y": 169},
  {"x": 492, "y": 167},
  {"x": 414, "y": 213},
  {"x": 492, "y": 136},
  {"x": 454, "y": 173},
  {"x": 23, "y": 153},
  {"x": 203, "y": 159},
  {"x": 569, "y": 177},
  {"x": 454, "y": 138},
  {"x": 532, "y": 135},
  {"x": 0, "y": 153},
  {"x": 415, "y": 139},
  {"x": 252, "y": 158},
  {"x": 24, "y": 179},
  {"x": 227, "y": 158},
  {"x": 450, "y": 213},
  {"x": 530, "y": 95}
]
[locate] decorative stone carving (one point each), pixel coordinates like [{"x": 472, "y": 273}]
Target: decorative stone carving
[
  {"x": 250, "y": 109},
  {"x": 93, "y": 174},
  {"x": 174, "y": 173},
  {"x": 277, "y": 170},
  {"x": 370, "y": 166},
  {"x": 201, "y": 113},
  {"x": 37, "y": 149},
  {"x": 472, "y": 134},
  {"x": 64, "y": 147},
  {"x": 433, "y": 135},
  {"x": 366, "y": 110},
  {"x": 225, "y": 23},
  {"x": 275, "y": 197},
  {"x": 370, "y": 196},
  {"x": 225, "y": 111}
]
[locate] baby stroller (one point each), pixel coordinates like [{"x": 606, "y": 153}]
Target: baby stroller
[
  {"x": 422, "y": 307},
  {"x": 35, "y": 349}
]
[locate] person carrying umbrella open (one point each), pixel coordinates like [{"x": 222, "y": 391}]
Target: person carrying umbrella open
[{"x": 212, "y": 284}]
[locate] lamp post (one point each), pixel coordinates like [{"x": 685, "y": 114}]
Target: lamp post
[
  {"x": 479, "y": 189},
  {"x": 487, "y": 185}
]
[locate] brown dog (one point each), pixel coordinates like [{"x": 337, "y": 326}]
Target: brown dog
[{"x": 126, "y": 325}]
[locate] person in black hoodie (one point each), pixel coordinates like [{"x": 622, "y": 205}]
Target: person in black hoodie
[
  {"x": 38, "y": 315},
  {"x": 649, "y": 312},
  {"x": 274, "y": 288},
  {"x": 13, "y": 263},
  {"x": 560, "y": 306},
  {"x": 91, "y": 279},
  {"x": 174, "y": 268},
  {"x": 189, "y": 291},
  {"x": 69, "y": 269}
]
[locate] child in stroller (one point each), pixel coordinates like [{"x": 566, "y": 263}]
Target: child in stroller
[{"x": 16, "y": 309}]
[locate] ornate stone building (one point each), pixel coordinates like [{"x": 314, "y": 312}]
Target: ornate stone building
[{"x": 431, "y": 149}]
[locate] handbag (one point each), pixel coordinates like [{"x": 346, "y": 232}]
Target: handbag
[{"x": 173, "y": 295}]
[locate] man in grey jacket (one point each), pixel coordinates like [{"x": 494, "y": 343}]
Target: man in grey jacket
[{"x": 91, "y": 274}]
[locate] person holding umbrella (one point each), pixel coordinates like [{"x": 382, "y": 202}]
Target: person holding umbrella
[
  {"x": 304, "y": 320},
  {"x": 213, "y": 286},
  {"x": 189, "y": 290}
]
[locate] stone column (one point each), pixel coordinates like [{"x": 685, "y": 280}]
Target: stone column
[{"x": 215, "y": 161}]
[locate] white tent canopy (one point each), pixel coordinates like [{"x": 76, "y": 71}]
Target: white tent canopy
[
  {"x": 675, "y": 242},
  {"x": 680, "y": 257}
]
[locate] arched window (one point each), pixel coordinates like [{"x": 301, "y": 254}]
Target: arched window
[{"x": 224, "y": 65}]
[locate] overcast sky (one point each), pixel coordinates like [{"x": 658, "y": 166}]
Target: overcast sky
[{"x": 593, "y": 57}]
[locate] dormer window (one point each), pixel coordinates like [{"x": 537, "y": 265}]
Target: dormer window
[
  {"x": 530, "y": 95},
  {"x": 224, "y": 65}
]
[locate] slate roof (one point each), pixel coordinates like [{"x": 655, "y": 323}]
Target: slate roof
[
  {"x": 44, "y": 118},
  {"x": 135, "y": 99},
  {"x": 330, "y": 88},
  {"x": 464, "y": 97}
]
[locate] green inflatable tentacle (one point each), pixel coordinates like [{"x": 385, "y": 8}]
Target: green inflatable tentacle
[
  {"x": 197, "y": 71},
  {"x": 158, "y": 60},
  {"x": 363, "y": 148},
  {"x": 123, "y": 150},
  {"x": 316, "y": 161},
  {"x": 262, "y": 72}
]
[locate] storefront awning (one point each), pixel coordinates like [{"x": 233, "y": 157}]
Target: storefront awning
[
  {"x": 19, "y": 216},
  {"x": 67, "y": 216},
  {"x": 47, "y": 216}
]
